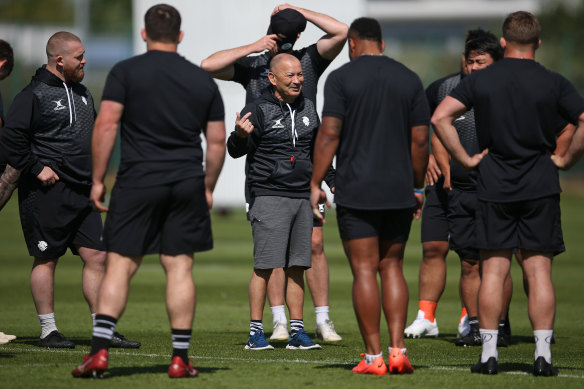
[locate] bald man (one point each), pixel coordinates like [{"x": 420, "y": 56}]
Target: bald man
[
  {"x": 47, "y": 137},
  {"x": 276, "y": 133}
]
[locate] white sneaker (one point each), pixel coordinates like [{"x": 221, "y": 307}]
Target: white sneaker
[
  {"x": 326, "y": 332},
  {"x": 463, "y": 327},
  {"x": 7, "y": 337},
  {"x": 422, "y": 327},
  {"x": 280, "y": 331}
]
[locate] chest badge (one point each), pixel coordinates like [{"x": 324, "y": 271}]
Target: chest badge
[
  {"x": 84, "y": 100},
  {"x": 59, "y": 106},
  {"x": 305, "y": 120},
  {"x": 278, "y": 124}
]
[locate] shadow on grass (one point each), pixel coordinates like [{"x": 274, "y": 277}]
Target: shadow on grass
[
  {"x": 337, "y": 366},
  {"x": 156, "y": 369}
]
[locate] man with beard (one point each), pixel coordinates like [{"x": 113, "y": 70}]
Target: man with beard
[{"x": 48, "y": 139}]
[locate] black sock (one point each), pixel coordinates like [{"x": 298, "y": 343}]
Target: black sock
[
  {"x": 103, "y": 331},
  {"x": 181, "y": 340},
  {"x": 474, "y": 323}
]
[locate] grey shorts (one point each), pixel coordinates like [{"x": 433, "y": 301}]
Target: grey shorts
[{"x": 282, "y": 232}]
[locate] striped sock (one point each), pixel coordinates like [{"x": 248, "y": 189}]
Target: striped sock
[
  {"x": 254, "y": 326},
  {"x": 181, "y": 340},
  {"x": 103, "y": 331},
  {"x": 296, "y": 325}
]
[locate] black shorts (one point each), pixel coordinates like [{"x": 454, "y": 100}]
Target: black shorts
[
  {"x": 461, "y": 216},
  {"x": 167, "y": 219},
  {"x": 533, "y": 225},
  {"x": 434, "y": 213},
  {"x": 391, "y": 225},
  {"x": 57, "y": 217}
]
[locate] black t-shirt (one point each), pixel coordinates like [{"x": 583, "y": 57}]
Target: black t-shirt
[
  {"x": 252, "y": 72},
  {"x": 379, "y": 101},
  {"x": 167, "y": 103},
  {"x": 516, "y": 104}
]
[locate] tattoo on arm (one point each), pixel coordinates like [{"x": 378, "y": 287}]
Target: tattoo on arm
[{"x": 8, "y": 182}]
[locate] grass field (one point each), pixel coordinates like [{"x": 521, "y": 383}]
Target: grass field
[{"x": 221, "y": 323}]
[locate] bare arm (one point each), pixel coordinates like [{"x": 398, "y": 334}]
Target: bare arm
[
  {"x": 330, "y": 45},
  {"x": 220, "y": 64},
  {"x": 102, "y": 145},
  {"x": 448, "y": 110},
  {"x": 576, "y": 149},
  {"x": 564, "y": 139},
  {"x": 8, "y": 182},
  {"x": 325, "y": 147},
  {"x": 419, "y": 155},
  {"x": 442, "y": 159},
  {"x": 214, "y": 156}
]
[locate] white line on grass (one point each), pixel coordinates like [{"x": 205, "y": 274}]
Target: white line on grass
[{"x": 195, "y": 357}]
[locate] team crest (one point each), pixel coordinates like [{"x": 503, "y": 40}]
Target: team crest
[
  {"x": 42, "y": 245},
  {"x": 305, "y": 120},
  {"x": 84, "y": 100}
]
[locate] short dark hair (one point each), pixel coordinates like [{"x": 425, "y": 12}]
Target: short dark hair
[
  {"x": 474, "y": 34},
  {"x": 7, "y": 54},
  {"x": 521, "y": 27},
  {"x": 366, "y": 29},
  {"x": 485, "y": 43},
  {"x": 162, "y": 23}
]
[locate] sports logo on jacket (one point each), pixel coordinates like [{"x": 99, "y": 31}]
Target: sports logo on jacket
[
  {"x": 278, "y": 123},
  {"x": 84, "y": 100},
  {"x": 265, "y": 72},
  {"x": 59, "y": 106},
  {"x": 305, "y": 120}
]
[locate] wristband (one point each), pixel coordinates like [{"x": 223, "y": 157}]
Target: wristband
[{"x": 418, "y": 190}]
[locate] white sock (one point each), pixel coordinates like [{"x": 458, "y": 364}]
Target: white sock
[
  {"x": 489, "y": 339},
  {"x": 370, "y": 358},
  {"x": 47, "y": 324},
  {"x": 322, "y": 314},
  {"x": 542, "y": 344},
  {"x": 278, "y": 314}
]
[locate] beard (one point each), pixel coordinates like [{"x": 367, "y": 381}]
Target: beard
[{"x": 75, "y": 75}]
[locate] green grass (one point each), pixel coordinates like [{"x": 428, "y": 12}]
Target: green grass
[{"x": 221, "y": 323}]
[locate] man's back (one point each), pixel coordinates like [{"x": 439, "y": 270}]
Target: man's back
[
  {"x": 379, "y": 101},
  {"x": 516, "y": 104},
  {"x": 167, "y": 102}
]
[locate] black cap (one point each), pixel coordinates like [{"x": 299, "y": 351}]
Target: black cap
[{"x": 288, "y": 23}]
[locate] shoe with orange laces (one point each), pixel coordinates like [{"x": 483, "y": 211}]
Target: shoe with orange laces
[
  {"x": 377, "y": 367},
  {"x": 93, "y": 365},
  {"x": 399, "y": 362},
  {"x": 179, "y": 369}
]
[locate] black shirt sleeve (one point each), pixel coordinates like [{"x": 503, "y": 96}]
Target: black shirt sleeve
[
  {"x": 420, "y": 113},
  {"x": 334, "y": 99},
  {"x": 319, "y": 63},
  {"x": 571, "y": 104},
  {"x": 115, "y": 88},
  {"x": 463, "y": 92},
  {"x": 241, "y": 73},
  {"x": 216, "y": 109}
]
